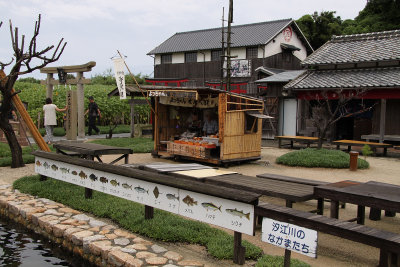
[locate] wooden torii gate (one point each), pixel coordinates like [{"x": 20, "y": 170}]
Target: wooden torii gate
[{"x": 79, "y": 81}]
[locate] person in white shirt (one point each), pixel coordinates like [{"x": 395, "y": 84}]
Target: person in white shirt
[{"x": 50, "y": 118}]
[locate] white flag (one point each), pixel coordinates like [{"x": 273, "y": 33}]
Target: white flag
[{"x": 120, "y": 76}]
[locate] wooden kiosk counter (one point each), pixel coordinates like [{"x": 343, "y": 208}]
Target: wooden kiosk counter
[{"x": 180, "y": 116}]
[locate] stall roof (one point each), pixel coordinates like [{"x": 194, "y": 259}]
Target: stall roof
[
  {"x": 133, "y": 90},
  {"x": 281, "y": 77}
]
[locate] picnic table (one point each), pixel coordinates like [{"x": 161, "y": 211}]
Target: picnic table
[
  {"x": 304, "y": 139},
  {"x": 350, "y": 143},
  {"x": 91, "y": 151},
  {"x": 377, "y": 196}
]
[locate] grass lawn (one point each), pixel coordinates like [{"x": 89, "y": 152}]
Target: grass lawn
[
  {"x": 323, "y": 158},
  {"x": 5, "y": 154},
  {"x": 277, "y": 261},
  {"x": 137, "y": 144},
  {"x": 164, "y": 226},
  {"x": 59, "y": 131}
]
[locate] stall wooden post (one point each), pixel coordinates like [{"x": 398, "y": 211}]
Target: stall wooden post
[
  {"x": 49, "y": 85},
  {"x": 70, "y": 126},
  {"x": 132, "y": 105},
  {"x": 80, "y": 105}
]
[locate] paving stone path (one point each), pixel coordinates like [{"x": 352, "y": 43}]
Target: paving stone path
[{"x": 101, "y": 243}]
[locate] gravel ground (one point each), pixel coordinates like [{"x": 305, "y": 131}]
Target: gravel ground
[{"x": 332, "y": 251}]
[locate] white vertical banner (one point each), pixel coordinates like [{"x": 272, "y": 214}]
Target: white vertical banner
[{"x": 120, "y": 76}]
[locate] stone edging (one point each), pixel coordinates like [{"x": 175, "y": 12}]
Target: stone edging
[{"x": 100, "y": 243}]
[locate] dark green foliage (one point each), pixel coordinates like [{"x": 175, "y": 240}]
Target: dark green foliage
[
  {"x": 29, "y": 80},
  {"x": 138, "y": 145},
  {"x": 108, "y": 78},
  {"x": 323, "y": 158},
  {"x": 165, "y": 226},
  {"x": 277, "y": 261},
  {"x": 59, "y": 131},
  {"x": 378, "y": 15}
]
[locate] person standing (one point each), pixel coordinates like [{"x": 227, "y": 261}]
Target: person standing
[
  {"x": 94, "y": 112},
  {"x": 50, "y": 118}
]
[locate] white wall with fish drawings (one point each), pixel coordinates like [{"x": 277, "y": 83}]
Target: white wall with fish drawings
[{"x": 226, "y": 213}]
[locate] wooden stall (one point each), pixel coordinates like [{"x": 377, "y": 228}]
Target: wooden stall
[{"x": 180, "y": 117}]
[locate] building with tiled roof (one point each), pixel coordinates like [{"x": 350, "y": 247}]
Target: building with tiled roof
[
  {"x": 349, "y": 64},
  {"x": 194, "y": 57}
]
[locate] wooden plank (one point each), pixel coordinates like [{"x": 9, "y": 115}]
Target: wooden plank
[
  {"x": 266, "y": 187},
  {"x": 360, "y": 143},
  {"x": 91, "y": 149},
  {"x": 291, "y": 179},
  {"x": 223, "y": 192}
]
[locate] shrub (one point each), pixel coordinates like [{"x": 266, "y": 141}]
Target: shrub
[{"x": 324, "y": 158}]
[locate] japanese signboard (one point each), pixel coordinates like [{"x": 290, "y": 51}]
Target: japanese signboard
[
  {"x": 173, "y": 94},
  {"x": 209, "y": 102},
  {"x": 226, "y": 213},
  {"x": 120, "y": 76},
  {"x": 239, "y": 68},
  {"x": 290, "y": 236}
]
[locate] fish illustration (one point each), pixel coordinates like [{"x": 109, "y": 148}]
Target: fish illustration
[
  {"x": 238, "y": 213},
  {"x": 103, "y": 180},
  {"x": 189, "y": 201},
  {"x": 172, "y": 197},
  {"x": 74, "y": 173},
  {"x": 54, "y": 167},
  {"x": 64, "y": 170},
  {"x": 46, "y": 165},
  {"x": 82, "y": 175},
  {"x": 114, "y": 182},
  {"x": 156, "y": 192},
  {"x": 38, "y": 163},
  {"x": 141, "y": 190},
  {"x": 93, "y": 177},
  {"x": 126, "y": 186},
  {"x": 211, "y": 206}
]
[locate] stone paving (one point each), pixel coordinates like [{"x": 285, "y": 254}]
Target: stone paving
[{"x": 100, "y": 243}]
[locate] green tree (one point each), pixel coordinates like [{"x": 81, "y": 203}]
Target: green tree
[{"x": 319, "y": 28}]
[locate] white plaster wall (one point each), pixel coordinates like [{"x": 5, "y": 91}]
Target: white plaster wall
[
  {"x": 239, "y": 52},
  {"x": 178, "y": 58},
  {"x": 273, "y": 48},
  {"x": 200, "y": 56},
  {"x": 157, "y": 59}
]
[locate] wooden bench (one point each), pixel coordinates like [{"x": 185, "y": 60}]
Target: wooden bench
[
  {"x": 350, "y": 143},
  {"x": 291, "y": 179},
  {"x": 387, "y": 242},
  {"x": 303, "y": 139}
]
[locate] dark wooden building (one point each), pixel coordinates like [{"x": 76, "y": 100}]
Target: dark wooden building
[
  {"x": 194, "y": 58},
  {"x": 367, "y": 63}
]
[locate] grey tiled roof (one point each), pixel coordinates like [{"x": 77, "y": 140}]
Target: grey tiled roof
[
  {"x": 243, "y": 35},
  {"x": 285, "y": 76},
  {"x": 369, "y": 47},
  {"x": 347, "y": 79}
]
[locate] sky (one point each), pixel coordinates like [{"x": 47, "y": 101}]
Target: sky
[{"x": 96, "y": 29}]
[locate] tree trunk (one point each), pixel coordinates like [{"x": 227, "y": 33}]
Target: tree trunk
[{"x": 16, "y": 151}]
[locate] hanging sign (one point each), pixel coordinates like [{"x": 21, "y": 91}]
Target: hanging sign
[
  {"x": 120, "y": 76},
  {"x": 209, "y": 102},
  {"x": 290, "y": 237}
]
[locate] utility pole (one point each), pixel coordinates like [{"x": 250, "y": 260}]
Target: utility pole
[
  {"x": 223, "y": 48},
  {"x": 228, "y": 47}
]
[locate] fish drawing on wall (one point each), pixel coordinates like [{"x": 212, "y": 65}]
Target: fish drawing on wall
[
  {"x": 82, "y": 175},
  {"x": 211, "y": 206},
  {"x": 156, "y": 192},
  {"x": 238, "y": 213},
  {"x": 114, "y": 182},
  {"x": 46, "y": 165},
  {"x": 172, "y": 197},
  {"x": 189, "y": 201},
  {"x": 54, "y": 167},
  {"x": 141, "y": 190},
  {"x": 127, "y": 186},
  {"x": 103, "y": 180},
  {"x": 38, "y": 163},
  {"x": 93, "y": 177},
  {"x": 74, "y": 173},
  {"x": 64, "y": 170}
]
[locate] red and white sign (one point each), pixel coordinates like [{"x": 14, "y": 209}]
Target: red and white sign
[{"x": 287, "y": 34}]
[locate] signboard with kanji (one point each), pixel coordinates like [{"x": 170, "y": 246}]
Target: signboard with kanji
[{"x": 290, "y": 236}]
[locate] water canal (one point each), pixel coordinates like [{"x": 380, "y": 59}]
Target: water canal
[{"x": 22, "y": 247}]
